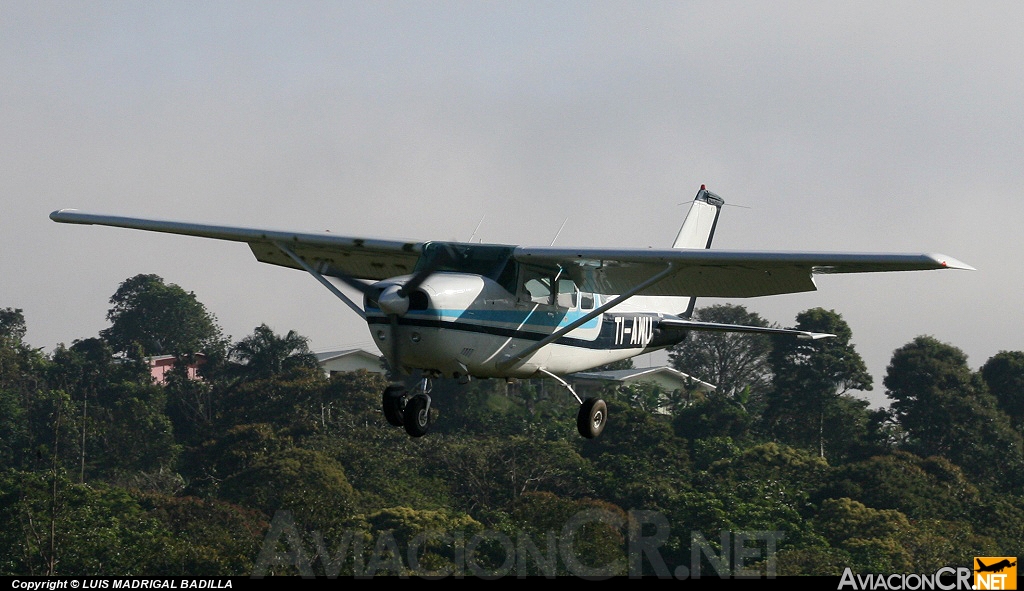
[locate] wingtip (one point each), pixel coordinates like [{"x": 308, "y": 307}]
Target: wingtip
[
  {"x": 814, "y": 336},
  {"x": 66, "y": 216},
  {"x": 951, "y": 263}
]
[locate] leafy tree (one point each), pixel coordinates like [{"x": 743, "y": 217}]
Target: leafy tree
[
  {"x": 736, "y": 363},
  {"x": 264, "y": 354},
  {"x": 593, "y": 530},
  {"x": 885, "y": 540},
  {"x": 486, "y": 474},
  {"x": 715, "y": 416},
  {"x": 437, "y": 537},
  {"x": 119, "y": 412},
  {"x": 637, "y": 461},
  {"x": 52, "y": 527},
  {"x": 212, "y": 538},
  {"x": 921, "y": 488},
  {"x": 811, "y": 380},
  {"x": 310, "y": 484},
  {"x": 945, "y": 409},
  {"x": 150, "y": 317},
  {"x": 871, "y": 536},
  {"x": 192, "y": 404},
  {"x": 288, "y": 401},
  {"x": 22, "y": 378},
  {"x": 1004, "y": 375},
  {"x": 12, "y": 326}
]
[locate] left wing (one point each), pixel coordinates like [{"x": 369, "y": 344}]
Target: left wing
[
  {"x": 363, "y": 258},
  {"x": 716, "y": 273}
]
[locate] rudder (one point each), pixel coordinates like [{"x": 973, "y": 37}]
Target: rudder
[{"x": 698, "y": 227}]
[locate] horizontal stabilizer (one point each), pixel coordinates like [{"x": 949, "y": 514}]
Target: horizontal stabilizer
[{"x": 684, "y": 324}]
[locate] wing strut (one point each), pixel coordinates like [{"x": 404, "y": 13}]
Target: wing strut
[
  {"x": 330, "y": 286},
  {"x": 585, "y": 319}
]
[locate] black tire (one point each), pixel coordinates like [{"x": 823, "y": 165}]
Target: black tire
[
  {"x": 417, "y": 416},
  {"x": 592, "y": 418},
  {"x": 393, "y": 404}
]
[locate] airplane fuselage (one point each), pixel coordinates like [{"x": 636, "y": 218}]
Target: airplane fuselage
[{"x": 469, "y": 325}]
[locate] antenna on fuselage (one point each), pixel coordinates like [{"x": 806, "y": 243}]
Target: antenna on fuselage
[
  {"x": 559, "y": 231},
  {"x": 475, "y": 230}
]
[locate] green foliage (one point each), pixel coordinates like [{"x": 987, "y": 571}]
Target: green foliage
[
  {"x": 491, "y": 473},
  {"x": 591, "y": 532},
  {"x": 264, "y": 354},
  {"x": 715, "y": 416},
  {"x": 945, "y": 409},
  {"x": 213, "y": 538},
  {"x": 638, "y": 460},
  {"x": 150, "y": 317},
  {"x": 921, "y": 488},
  {"x": 1004, "y": 376},
  {"x": 12, "y": 326},
  {"x": 733, "y": 362},
  {"x": 872, "y": 537},
  {"x": 95, "y": 529},
  {"x": 291, "y": 400},
  {"x": 309, "y": 483},
  {"x": 189, "y": 478},
  {"x": 806, "y": 403}
]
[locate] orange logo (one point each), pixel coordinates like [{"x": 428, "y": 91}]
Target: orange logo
[{"x": 995, "y": 572}]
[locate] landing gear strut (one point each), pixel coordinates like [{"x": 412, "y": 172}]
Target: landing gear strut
[
  {"x": 593, "y": 413},
  {"x": 409, "y": 409}
]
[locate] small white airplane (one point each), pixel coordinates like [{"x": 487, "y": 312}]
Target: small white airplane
[{"x": 465, "y": 310}]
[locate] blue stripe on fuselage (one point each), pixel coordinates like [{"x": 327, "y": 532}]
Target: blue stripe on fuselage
[
  {"x": 613, "y": 334},
  {"x": 515, "y": 318}
]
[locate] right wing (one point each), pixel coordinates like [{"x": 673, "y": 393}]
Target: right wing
[
  {"x": 716, "y": 273},
  {"x": 356, "y": 257}
]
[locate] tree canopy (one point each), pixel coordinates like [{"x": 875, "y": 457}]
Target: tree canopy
[
  {"x": 151, "y": 317},
  {"x": 266, "y": 463},
  {"x": 808, "y": 403},
  {"x": 736, "y": 363}
]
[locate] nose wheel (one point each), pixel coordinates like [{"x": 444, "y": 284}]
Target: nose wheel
[
  {"x": 417, "y": 415},
  {"x": 409, "y": 409},
  {"x": 394, "y": 405}
]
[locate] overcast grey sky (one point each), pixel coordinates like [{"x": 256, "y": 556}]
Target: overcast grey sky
[{"x": 865, "y": 127}]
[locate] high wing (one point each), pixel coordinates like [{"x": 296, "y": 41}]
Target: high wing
[
  {"x": 683, "y": 272},
  {"x": 716, "y": 273},
  {"x": 337, "y": 255}
]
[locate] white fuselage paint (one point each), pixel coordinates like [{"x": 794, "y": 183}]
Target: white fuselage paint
[{"x": 473, "y": 326}]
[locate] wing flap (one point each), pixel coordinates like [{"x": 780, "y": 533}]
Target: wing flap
[{"x": 364, "y": 258}]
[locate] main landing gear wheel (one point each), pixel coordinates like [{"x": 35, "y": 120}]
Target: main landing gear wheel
[
  {"x": 592, "y": 418},
  {"x": 394, "y": 404},
  {"x": 417, "y": 416}
]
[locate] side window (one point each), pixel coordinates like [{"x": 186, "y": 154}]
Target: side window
[
  {"x": 586, "y": 301},
  {"x": 567, "y": 294},
  {"x": 537, "y": 288}
]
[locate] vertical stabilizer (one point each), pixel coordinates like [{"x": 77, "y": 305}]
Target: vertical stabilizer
[{"x": 698, "y": 228}]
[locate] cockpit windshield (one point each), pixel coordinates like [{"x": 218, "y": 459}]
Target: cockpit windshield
[{"x": 492, "y": 261}]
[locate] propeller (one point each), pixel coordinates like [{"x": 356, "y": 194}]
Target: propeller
[{"x": 394, "y": 300}]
